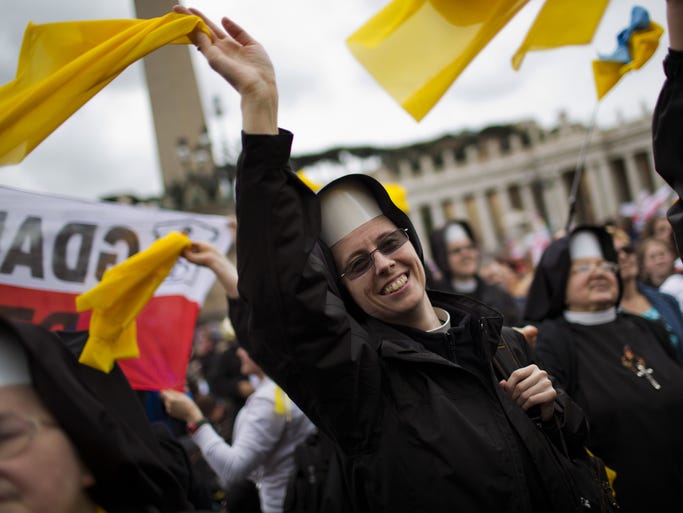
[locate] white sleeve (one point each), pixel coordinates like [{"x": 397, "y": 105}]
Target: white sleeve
[{"x": 260, "y": 430}]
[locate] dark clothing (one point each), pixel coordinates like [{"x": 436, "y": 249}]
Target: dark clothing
[
  {"x": 668, "y": 137},
  {"x": 492, "y": 295},
  {"x": 635, "y": 428},
  {"x": 135, "y": 467},
  {"x": 420, "y": 417}
]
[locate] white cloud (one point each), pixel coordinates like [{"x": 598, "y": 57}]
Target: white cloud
[{"x": 327, "y": 98}]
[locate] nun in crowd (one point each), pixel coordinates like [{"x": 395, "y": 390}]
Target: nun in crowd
[
  {"x": 455, "y": 251},
  {"x": 76, "y": 440},
  {"x": 332, "y": 291},
  {"x": 620, "y": 368}
]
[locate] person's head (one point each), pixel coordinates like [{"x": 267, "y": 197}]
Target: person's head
[
  {"x": 592, "y": 284},
  {"x": 626, "y": 253},
  {"x": 577, "y": 272},
  {"x": 92, "y": 420},
  {"x": 375, "y": 250},
  {"x": 247, "y": 365},
  {"x": 658, "y": 227},
  {"x": 454, "y": 248},
  {"x": 40, "y": 469},
  {"x": 656, "y": 259}
]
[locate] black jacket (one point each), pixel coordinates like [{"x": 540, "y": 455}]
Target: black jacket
[
  {"x": 420, "y": 417},
  {"x": 667, "y": 137}
]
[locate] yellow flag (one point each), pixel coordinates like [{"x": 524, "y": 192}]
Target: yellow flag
[
  {"x": 561, "y": 23},
  {"x": 415, "y": 49},
  {"x": 63, "y": 65},
  {"x": 120, "y": 296},
  {"x": 642, "y": 45}
]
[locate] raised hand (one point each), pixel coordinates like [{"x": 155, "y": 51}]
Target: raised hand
[{"x": 244, "y": 63}]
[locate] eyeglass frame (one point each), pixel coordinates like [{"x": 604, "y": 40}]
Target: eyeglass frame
[
  {"x": 34, "y": 425},
  {"x": 457, "y": 251},
  {"x": 370, "y": 255},
  {"x": 590, "y": 267}
]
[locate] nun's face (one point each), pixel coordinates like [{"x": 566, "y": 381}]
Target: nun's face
[
  {"x": 39, "y": 468},
  {"x": 463, "y": 259},
  {"x": 393, "y": 289},
  {"x": 592, "y": 285}
]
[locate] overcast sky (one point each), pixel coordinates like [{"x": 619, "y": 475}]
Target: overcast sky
[{"x": 327, "y": 99}]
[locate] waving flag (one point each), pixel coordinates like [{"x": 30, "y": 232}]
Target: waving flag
[
  {"x": 63, "y": 65},
  {"x": 120, "y": 296},
  {"x": 561, "y": 23},
  {"x": 56, "y": 249},
  {"x": 635, "y": 45},
  {"x": 415, "y": 49}
]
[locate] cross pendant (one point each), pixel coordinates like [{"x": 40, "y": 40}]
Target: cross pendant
[{"x": 647, "y": 374}]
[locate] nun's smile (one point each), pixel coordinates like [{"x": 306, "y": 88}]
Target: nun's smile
[{"x": 393, "y": 288}]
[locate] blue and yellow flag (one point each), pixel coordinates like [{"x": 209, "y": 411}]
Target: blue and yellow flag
[
  {"x": 561, "y": 23},
  {"x": 63, "y": 65},
  {"x": 635, "y": 45}
]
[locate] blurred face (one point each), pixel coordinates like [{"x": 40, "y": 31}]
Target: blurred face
[
  {"x": 463, "y": 259},
  {"x": 592, "y": 285},
  {"x": 628, "y": 263},
  {"x": 393, "y": 288},
  {"x": 40, "y": 470},
  {"x": 662, "y": 229},
  {"x": 658, "y": 261},
  {"x": 248, "y": 365}
]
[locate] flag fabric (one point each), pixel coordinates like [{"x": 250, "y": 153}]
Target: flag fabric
[
  {"x": 561, "y": 23},
  {"x": 635, "y": 45},
  {"x": 63, "y": 65},
  {"x": 415, "y": 49},
  {"x": 54, "y": 249},
  {"x": 120, "y": 296}
]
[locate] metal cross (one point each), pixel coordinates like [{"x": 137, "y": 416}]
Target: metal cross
[{"x": 647, "y": 374}]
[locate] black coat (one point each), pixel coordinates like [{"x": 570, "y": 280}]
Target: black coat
[
  {"x": 420, "y": 417},
  {"x": 667, "y": 136}
]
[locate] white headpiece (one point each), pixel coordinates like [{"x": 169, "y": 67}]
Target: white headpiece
[
  {"x": 344, "y": 208},
  {"x": 13, "y": 363},
  {"x": 584, "y": 244},
  {"x": 455, "y": 233}
]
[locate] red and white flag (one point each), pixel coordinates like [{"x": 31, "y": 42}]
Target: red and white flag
[{"x": 53, "y": 248}]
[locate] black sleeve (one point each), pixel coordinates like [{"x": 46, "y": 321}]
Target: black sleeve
[{"x": 667, "y": 137}]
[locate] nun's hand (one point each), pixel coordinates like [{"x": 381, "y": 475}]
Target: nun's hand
[{"x": 530, "y": 386}]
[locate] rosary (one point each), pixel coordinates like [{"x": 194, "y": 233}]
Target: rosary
[{"x": 637, "y": 365}]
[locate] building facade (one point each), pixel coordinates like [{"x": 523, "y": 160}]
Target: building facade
[{"x": 504, "y": 178}]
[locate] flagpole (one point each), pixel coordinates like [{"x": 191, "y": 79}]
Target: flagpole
[{"x": 578, "y": 172}]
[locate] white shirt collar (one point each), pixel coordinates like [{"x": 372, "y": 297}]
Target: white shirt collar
[
  {"x": 591, "y": 318},
  {"x": 464, "y": 286},
  {"x": 445, "y": 319}
]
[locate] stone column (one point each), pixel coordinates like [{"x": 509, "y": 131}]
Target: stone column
[
  {"x": 604, "y": 181},
  {"x": 488, "y": 232},
  {"x": 635, "y": 187}
]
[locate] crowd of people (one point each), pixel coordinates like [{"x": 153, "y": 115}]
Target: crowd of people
[{"x": 441, "y": 384}]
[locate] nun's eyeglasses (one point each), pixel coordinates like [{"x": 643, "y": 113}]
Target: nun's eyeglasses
[
  {"x": 16, "y": 434},
  {"x": 589, "y": 267},
  {"x": 363, "y": 262}
]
